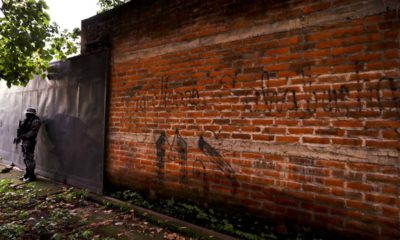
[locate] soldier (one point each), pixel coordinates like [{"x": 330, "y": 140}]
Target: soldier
[{"x": 28, "y": 131}]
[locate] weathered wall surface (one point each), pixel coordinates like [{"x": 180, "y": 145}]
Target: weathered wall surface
[{"x": 289, "y": 109}]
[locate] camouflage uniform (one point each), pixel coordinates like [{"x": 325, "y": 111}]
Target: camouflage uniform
[{"x": 31, "y": 125}]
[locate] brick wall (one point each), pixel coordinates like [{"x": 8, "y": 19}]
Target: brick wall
[{"x": 289, "y": 109}]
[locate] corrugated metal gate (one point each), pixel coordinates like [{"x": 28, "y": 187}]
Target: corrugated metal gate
[{"x": 72, "y": 107}]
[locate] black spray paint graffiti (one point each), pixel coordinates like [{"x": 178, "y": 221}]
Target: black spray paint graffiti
[
  {"x": 358, "y": 95},
  {"x": 178, "y": 98},
  {"x": 378, "y": 95},
  {"x": 216, "y": 158},
  {"x": 177, "y": 151},
  {"x": 166, "y": 99},
  {"x": 161, "y": 141},
  {"x": 171, "y": 152}
]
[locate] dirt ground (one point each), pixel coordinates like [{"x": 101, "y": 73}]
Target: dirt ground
[{"x": 47, "y": 210}]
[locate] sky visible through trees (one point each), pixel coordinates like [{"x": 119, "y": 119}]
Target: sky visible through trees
[{"x": 30, "y": 39}]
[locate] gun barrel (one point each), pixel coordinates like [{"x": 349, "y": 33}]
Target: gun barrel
[{"x": 17, "y": 139}]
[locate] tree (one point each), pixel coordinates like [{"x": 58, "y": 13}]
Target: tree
[
  {"x": 109, "y": 4},
  {"x": 28, "y": 41}
]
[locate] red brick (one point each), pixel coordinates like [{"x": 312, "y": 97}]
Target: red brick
[
  {"x": 333, "y": 182},
  {"x": 276, "y": 51},
  {"x": 314, "y": 207},
  {"x": 347, "y": 141},
  {"x": 356, "y": 133},
  {"x": 367, "y": 207},
  {"x": 360, "y": 186},
  {"x": 241, "y": 136},
  {"x": 289, "y": 41},
  {"x": 349, "y": 31},
  {"x": 382, "y": 124},
  {"x": 277, "y": 67},
  {"x": 380, "y": 199},
  {"x": 330, "y": 164},
  {"x": 330, "y": 43},
  {"x": 300, "y": 130},
  {"x": 274, "y": 130},
  {"x": 353, "y": 195},
  {"x": 286, "y": 57},
  {"x": 347, "y": 50},
  {"x": 376, "y": 177},
  {"x": 287, "y": 122},
  {"x": 316, "y": 189},
  {"x": 345, "y": 212},
  {"x": 319, "y": 36},
  {"x": 383, "y": 144},
  {"x": 316, "y": 140},
  {"x": 357, "y": 225},
  {"x": 329, "y": 220},
  {"x": 390, "y": 134},
  {"x": 347, "y": 123},
  {"x": 286, "y": 139},
  {"x": 252, "y": 155},
  {"x": 265, "y": 122},
  {"x": 315, "y": 123},
  {"x": 330, "y": 200},
  {"x": 390, "y": 211},
  {"x": 263, "y": 137},
  {"x": 330, "y": 131}
]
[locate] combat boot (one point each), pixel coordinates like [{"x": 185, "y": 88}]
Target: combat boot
[
  {"x": 23, "y": 177},
  {"x": 30, "y": 179}
]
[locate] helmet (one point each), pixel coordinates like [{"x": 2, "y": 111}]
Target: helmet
[{"x": 30, "y": 110}]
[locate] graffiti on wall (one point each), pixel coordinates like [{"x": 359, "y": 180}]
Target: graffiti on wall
[
  {"x": 378, "y": 95},
  {"x": 345, "y": 96},
  {"x": 177, "y": 152},
  {"x": 172, "y": 152},
  {"x": 166, "y": 99},
  {"x": 217, "y": 160}
]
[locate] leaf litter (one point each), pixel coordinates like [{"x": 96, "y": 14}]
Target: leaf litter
[{"x": 27, "y": 213}]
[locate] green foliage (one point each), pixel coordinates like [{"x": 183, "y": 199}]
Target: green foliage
[
  {"x": 74, "y": 195},
  {"x": 87, "y": 234},
  {"x": 28, "y": 41},
  {"x": 42, "y": 227},
  {"x": 109, "y": 4},
  {"x": 5, "y": 185},
  {"x": 20, "y": 205},
  {"x": 38, "y": 211},
  {"x": 134, "y": 198},
  {"x": 207, "y": 217},
  {"x": 62, "y": 217},
  {"x": 11, "y": 231},
  {"x": 242, "y": 226}
]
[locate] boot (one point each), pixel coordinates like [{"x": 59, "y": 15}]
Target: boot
[
  {"x": 23, "y": 177},
  {"x": 30, "y": 179},
  {"x": 30, "y": 176}
]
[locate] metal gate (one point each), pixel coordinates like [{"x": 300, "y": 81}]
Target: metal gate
[{"x": 72, "y": 107}]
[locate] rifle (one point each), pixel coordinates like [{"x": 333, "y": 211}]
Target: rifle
[{"x": 17, "y": 140}]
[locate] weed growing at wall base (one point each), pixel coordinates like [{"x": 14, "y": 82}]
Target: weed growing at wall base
[{"x": 241, "y": 225}]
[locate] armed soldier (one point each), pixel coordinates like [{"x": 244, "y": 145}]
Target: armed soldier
[{"x": 27, "y": 133}]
